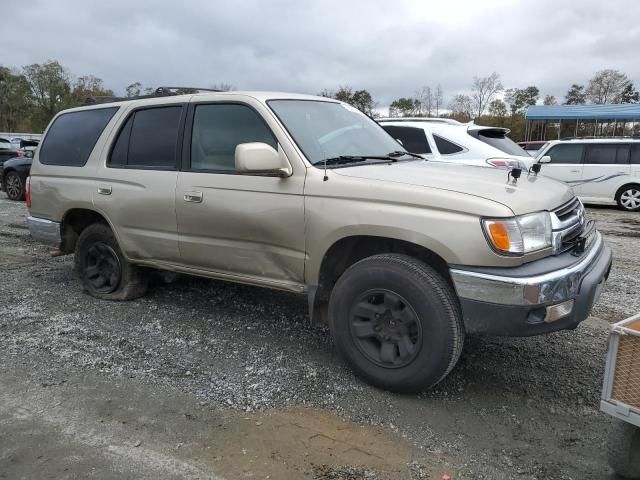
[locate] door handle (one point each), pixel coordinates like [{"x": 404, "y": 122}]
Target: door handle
[
  {"x": 574, "y": 171},
  {"x": 195, "y": 197},
  {"x": 104, "y": 189}
]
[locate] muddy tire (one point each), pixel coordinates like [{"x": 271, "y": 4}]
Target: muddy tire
[
  {"x": 397, "y": 322},
  {"x": 103, "y": 270},
  {"x": 624, "y": 450},
  {"x": 14, "y": 186}
]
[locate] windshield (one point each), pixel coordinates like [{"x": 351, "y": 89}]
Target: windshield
[
  {"x": 326, "y": 130},
  {"x": 499, "y": 140}
]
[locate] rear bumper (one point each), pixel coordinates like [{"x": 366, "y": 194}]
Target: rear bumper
[
  {"x": 45, "y": 231},
  {"x": 551, "y": 294}
]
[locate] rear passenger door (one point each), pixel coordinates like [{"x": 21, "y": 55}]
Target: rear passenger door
[
  {"x": 605, "y": 166},
  {"x": 566, "y": 164},
  {"x": 136, "y": 185},
  {"x": 244, "y": 227}
]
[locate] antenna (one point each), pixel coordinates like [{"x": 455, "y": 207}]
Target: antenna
[{"x": 325, "y": 170}]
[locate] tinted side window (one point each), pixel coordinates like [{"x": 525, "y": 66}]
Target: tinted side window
[
  {"x": 566, "y": 153},
  {"x": 218, "y": 129},
  {"x": 445, "y": 147},
  {"x": 413, "y": 139},
  {"x": 73, "y": 135},
  {"x": 601, "y": 154},
  {"x": 635, "y": 154},
  {"x": 154, "y": 137}
]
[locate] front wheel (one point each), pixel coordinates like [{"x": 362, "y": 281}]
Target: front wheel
[
  {"x": 629, "y": 198},
  {"x": 624, "y": 450},
  {"x": 14, "y": 186},
  {"x": 397, "y": 322}
]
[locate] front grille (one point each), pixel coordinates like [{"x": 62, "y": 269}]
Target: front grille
[{"x": 567, "y": 222}]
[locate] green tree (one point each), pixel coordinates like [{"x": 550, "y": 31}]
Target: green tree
[
  {"x": 15, "y": 101},
  {"x": 520, "y": 98},
  {"x": 50, "y": 87},
  {"x": 404, "y": 107},
  {"x": 497, "y": 108},
  {"x": 134, "y": 89},
  {"x": 575, "y": 95},
  {"x": 629, "y": 94},
  {"x": 362, "y": 100},
  {"x": 344, "y": 94}
]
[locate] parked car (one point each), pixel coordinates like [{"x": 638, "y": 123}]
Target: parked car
[
  {"x": 14, "y": 173},
  {"x": 600, "y": 171},
  {"x": 309, "y": 195},
  {"x": 532, "y": 147},
  {"x": 7, "y": 150},
  {"x": 451, "y": 141}
]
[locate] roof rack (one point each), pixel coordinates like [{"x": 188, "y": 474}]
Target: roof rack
[{"x": 158, "y": 92}]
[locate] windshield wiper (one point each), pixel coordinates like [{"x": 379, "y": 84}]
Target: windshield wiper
[
  {"x": 400, "y": 153},
  {"x": 344, "y": 159}
]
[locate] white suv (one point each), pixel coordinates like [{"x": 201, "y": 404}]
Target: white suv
[
  {"x": 602, "y": 171},
  {"x": 447, "y": 140}
]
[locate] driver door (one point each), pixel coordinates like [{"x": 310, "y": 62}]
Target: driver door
[
  {"x": 246, "y": 227},
  {"x": 566, "y": 165}
]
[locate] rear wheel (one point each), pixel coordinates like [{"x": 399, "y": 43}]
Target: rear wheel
[
  {"x": 629, "y": 198},
  {"x": 624, "y": 450},
  {"x": 397, "y": 322},
  {"x": 14, "y": 186},
  {"x": 104, "y": 272}
]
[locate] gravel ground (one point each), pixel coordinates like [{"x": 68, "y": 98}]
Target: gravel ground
[{"x": 512, "y": 409}]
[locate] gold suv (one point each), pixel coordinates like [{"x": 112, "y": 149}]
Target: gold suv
[{"x": 401, "y": 256}]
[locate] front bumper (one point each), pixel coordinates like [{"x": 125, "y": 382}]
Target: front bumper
[{"x": 517, "y": 301}]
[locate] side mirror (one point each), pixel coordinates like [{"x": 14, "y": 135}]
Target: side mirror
[
  {"x": 545, "y": 159},
  {"x": 261, "y": 159}
]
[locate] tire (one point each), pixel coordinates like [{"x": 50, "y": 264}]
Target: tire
[
  {"x": 14, "y": 186},
  {"x": 624, "y": 450},
  {"x": 628, "y": 198},
  {"x": 397, "y": 322},
  {"x": 103, "y": 270}
]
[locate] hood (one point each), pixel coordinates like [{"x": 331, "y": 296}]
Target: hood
[{"x": 529, "y": 194}]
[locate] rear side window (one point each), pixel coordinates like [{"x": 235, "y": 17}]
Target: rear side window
[
  {"x": 218, "y": 129},
  {"x": 607, "y": 154},
  {"x": 635, "y": 154},
  {"x": 412, "y": 139},
  {"x": 73, "y": 135},
  {"x": 148, "y": 139},
  {"x": 445, "y": 147},
  {"x": 566, "y": 153}
]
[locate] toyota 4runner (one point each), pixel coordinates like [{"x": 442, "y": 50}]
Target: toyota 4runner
[{"x": 400, "y": 255}]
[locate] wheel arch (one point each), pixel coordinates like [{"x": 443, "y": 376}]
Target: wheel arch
[
  {"x": 74, "y": 221},
  {"x": 348, "y": 250},
  {"x": 623, "y": 187}
]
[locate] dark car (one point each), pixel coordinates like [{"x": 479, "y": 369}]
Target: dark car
[
  {"x": 7, "y": 150},
  {"x": 14, "y": 173}
]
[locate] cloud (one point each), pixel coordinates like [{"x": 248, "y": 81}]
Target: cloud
[{"x": 389, "y": 48}]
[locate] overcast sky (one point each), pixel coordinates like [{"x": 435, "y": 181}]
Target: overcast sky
[{"x": 391, "y": 48}]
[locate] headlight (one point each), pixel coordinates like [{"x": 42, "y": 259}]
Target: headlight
[{"x": 519, "y": 235}]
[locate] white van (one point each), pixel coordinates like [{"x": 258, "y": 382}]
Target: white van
[
  {"x": 600, "y": 171},
  {"x": 447, "y": 140}
]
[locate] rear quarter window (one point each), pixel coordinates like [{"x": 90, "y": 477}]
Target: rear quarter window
[
  {"x": 73, "y": 135},
  {"x": 445, "y": 147},
  {"x": 412, "y": 139}
]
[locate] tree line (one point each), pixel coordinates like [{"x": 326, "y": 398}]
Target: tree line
[{"x": 32, "y": 95}]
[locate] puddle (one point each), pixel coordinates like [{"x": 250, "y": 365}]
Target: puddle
[{"x": 313, "y": 444}]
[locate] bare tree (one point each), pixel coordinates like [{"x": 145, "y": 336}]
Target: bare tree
[
  {"x": 484, "y": 91},
  {"x": 222, "y": 86},
  {"x": 438, "y": 99},
  {"x": 550, "y": 100},
  {"x": 425, "y": 101},
  {"x": 607, "y": 86},
  {"x": 461, "y": 105}
]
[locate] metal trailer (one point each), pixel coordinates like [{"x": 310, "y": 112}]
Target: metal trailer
[{"x": 621, "y": 396}]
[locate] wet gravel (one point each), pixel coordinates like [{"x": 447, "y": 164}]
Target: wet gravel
[{"x": 512, "y": 408}]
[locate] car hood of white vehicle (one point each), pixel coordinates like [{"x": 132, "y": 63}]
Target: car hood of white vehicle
[{"x": 531, "y": 193}]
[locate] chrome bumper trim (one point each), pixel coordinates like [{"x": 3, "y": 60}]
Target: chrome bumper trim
[
  {"x": 557, "y": 286},
  {"x": 45, "y": 231}
]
